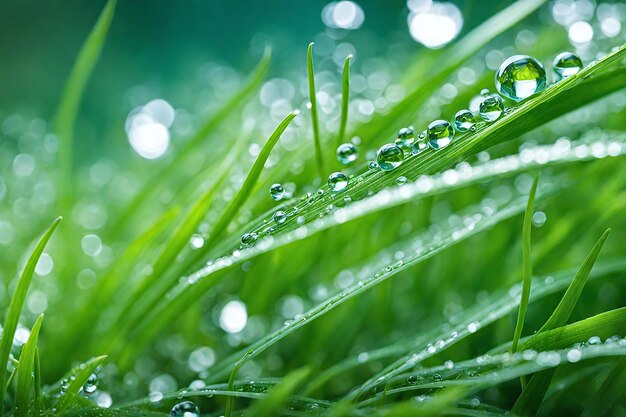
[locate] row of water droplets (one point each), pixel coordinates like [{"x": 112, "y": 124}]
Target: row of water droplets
[{"x": 518, "y": 78}]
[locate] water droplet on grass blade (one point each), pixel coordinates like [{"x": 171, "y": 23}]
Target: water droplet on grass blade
[
  {"x": 185, "y": 409},
  {"x": 279, "y": 217},
  {"x": 420, "y": 145},
  {"x": 91, "y": 385},
  {"x": 407, "y": 136},
  {"x": 337, "y": 181},
  {"x": 440, "y": 134},
  {"x": 277, "y": 191},
  {"x": 347, "y": 153},
  {"x": 464, "y": 120},
  {"x": 491, "y": 108},
  {"x": 566, "y": 64},
  {"x": 519, "y": 77},
  {"x": 249, "y": 238},
  {"x": 390, "y": 157}
]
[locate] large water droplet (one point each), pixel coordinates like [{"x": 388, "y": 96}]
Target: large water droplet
[
  {"x": 407, "y": 136},
  {"x": 389, "y": 157},
  {"x": 337, "y": 181},
  {"x": 249, "y": 238},
  {"x": 185, "y": 409},
  {"x": 566, "y": 64},
  {"x": 464, "y": 120},
  {"x": 420, "y": 145},
  {"x": 91, "y": 385},
  {"x": 440, "y": 134},
  {"x": 520, "y": 76},
  {"x": 279, "y": 217},
  {"x": 347, "y": 153},
  {"x": 491, "y": 108},
  {"x": 277, "y": 191}
]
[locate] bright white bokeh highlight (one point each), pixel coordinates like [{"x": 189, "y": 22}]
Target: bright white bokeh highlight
[
  {"x": 148, "y": 126},
  {"x": 580, "y": 33},
  {"x": 343, "y": 15},
  {"x": 434, "y": 24},
  {"x": 233, "y": 317}
]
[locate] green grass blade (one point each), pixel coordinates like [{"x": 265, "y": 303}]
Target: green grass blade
[
  {"x": 527, "y": 265},
  {"x": 39, "y": 404},
  {"x": 563, "y": 311},
  {"x": 314, "y": 116},
  {"x": 26, "y": 372},
  {"x": 74, "y": 89},
  {"x": 532, "y": 396},
  {"x": 16, "y": 305},
  {"x": 345, "y": 100},
  {"x": 70, "y": 396},
  {"x": 243, "y": 194},
  {"x": 277, "y": 397},
  {"x": 612, "y": 390}
]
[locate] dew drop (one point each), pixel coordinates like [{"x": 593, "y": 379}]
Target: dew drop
[
  {"x": 372, "y": 165},
  {"x": 337, "y": 181},
  {"x": 491, "y": 108},
  {"x": 347, "y": 153},
  {"x": 464, "y": 120},
  {"x": 440, "y": 134},
  {"x": 566, "y": 64},
  {"x": 389, "y": 157},
  {"x": 411, "y": 380},
  {"x": 249, "y": 238},
  {"x": 519, "y": 77},
  {"x": 401, "y": 180},
  {"x": 277, "y": 192},
  {"x": 406, "y": 135},
  {"x": 185, "y": 409},
  {"x": 420, "y": 145},
  {"x": 437, "y": 377},
  {"x": 279, "y": 217},
  {"x": 91, "y": 385}
]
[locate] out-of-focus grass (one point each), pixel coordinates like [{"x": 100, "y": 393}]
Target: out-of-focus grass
[{"x": 396, "y": 296}]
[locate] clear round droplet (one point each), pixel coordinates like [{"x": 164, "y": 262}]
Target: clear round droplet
[
  {"x": 389, "y": 157},
  {"x": 279, "y": 217},
  {"x": 401, "y": 180},
  {"x": 249, "y": 238},
  {"x": 347, "y": 153},
  {"x": 185, "y": 409},
  {"x": 440, "y": 134},
  {"x": 464, "y": 120},
  {"x": 277, "y": 192},
  {"x": 406, "y": 135},
  {"x": 491, "y": 108},
  {"x": 567, "y": 64},
  {"x": 91, "y": 385},
  {"x": 337, "y": 181},
  {"x": 372, "y": 165},
  {"x": 519, "y": 77}
]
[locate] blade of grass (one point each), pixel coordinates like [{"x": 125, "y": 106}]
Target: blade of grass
[
  {"x": 278, "y": 396},
  {"x": 16, "y": 305},
  {"x": 345, "y": 99},
  {"x": 72, "y": 94},
  {"x": 38, "y": 397},
  {"x": 612, "y": 389},
  {"x": 532, "y": 395},
  {"x": 70, "y": 395},
  {"x": 314, "y": 117},
  {"x": 26, "y": 373},
  {"x": 527, "y": 265}
]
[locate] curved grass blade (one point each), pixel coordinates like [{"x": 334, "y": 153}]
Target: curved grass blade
[
  {"x": 345, "y": 99},
  {"x": 226, "y": 111},
  {"x": 276, "y": 398},
  {"x": 532, "y": 396},
  {"x": 500, "y": 304},
  {"x": 15, "y": 307},
  {"x": 420, "y": 248},
  {"x": 612, "y": 389},
  {"x": 70, "y": 396},
  {"x": 527, "y": 266},
  {"x": 26, "y": 373},
  {"x": 73, "y": 92},
  {"x": 314, "y": 116}
]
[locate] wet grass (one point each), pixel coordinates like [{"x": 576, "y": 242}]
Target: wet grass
[{"x": 414, "y": 299}]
